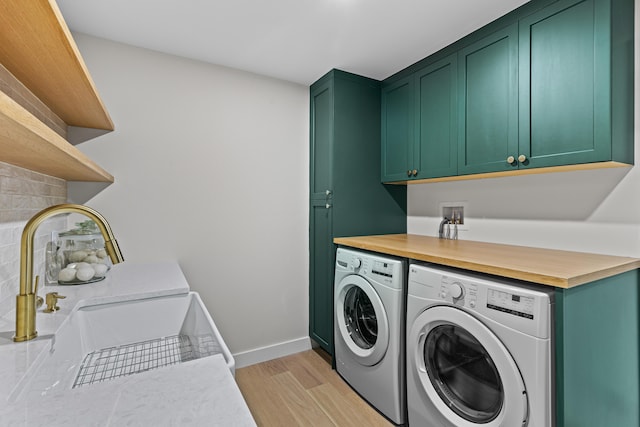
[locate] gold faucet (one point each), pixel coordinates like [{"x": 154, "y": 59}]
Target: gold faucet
[{"x": 26, "y": 299}]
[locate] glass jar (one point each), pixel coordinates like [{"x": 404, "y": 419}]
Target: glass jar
[
  {"x": 77, "y": 256},
  {"x": 87, "y": 248}
]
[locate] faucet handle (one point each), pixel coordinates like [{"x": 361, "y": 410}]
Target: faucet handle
[
  {"x": 52, "y": 302},
  {"x": 39, "y": 300}
]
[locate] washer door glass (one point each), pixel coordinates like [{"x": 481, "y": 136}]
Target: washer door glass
[
  {"x": 361, "y": 321},
  {"x": 360, "y": 318},
  {"x": 463, "y": 373}
]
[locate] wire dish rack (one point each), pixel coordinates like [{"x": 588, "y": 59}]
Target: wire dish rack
[{"x": 114, "y": 362}]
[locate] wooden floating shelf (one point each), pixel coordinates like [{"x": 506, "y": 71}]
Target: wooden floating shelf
[
  {"x": 27, "y": 142},
  {"x": 38, "y": 49},
  {"x": 45, "y": 87}
]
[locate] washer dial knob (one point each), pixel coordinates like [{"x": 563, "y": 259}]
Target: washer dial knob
[
  {"x": 456, "y": 290},
  {"x": 357, "y": 262}
]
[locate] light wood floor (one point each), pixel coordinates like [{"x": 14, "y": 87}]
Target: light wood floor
[{"x": 303, "y": 390}]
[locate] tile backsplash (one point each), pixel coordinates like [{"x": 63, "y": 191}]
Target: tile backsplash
[{"x": 23, "y": 193}]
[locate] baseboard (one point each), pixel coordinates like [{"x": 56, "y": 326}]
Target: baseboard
[{"x": 262, "y": 354}]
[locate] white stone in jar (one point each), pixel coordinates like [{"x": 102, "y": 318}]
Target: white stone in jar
[
  {"x": 101, "y": 253},
  {"x": 85, "y": 273},
  {"x": 77, "y": 256},
  {"x": 82, "y": 265},
  {"x": 100, "y": 269},
  {"x": 91, "y": 259},
  {"x": 67, "y": 274}
]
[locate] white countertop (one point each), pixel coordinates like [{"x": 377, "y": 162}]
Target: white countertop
[{"x": 198, "y": 392}]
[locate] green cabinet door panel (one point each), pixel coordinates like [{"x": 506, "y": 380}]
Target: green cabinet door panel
[
  {"x": 436, "y": 124},
  {"x": 488, "y": 103},
  {"x": 321, "y": 270},
  {"x": 565, "y": 105},
  {"x": 398, "y": 145},
  {"x": 320, "y": 234},
  {"x": 321, "y": 128},
  {"x": 598, "y": 352}
]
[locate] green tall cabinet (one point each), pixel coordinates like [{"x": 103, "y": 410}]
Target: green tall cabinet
[{"x": 346, "y": 197}]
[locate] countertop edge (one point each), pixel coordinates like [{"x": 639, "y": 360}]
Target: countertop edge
[{"x": 403, "y": 245}]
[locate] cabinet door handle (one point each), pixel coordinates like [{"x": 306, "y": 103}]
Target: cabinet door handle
[
  {"x": 409, "y": 172},
  {"x": 327, "y": 206},
  {"x": 327, "y": 192},
  {"x": 522, "y": 158},
  {"x": 414, "y": 172},
  {"x": 511, "y": 160}
]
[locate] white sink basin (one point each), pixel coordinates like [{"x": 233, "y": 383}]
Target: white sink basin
[{"x": 100, "y": 342}]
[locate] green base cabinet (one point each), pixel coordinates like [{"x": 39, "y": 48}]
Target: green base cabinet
[
  {"x": 346, "y": 197},
  {"x": 598, "y": 353}
]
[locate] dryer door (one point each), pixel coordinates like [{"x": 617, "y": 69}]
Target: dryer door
[
  {"x": 361, "y": 320},
  {"x": 465, "y": 370}
]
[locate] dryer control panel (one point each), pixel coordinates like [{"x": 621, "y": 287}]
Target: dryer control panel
[{"x": 512, "y": 303}]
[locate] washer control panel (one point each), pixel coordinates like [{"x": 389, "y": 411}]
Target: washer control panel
[
  {"x": 380, "y": 269},
  {"x": 522, "y": 306}
]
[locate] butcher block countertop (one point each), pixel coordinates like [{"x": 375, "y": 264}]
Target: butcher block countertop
[{"x": 563, "y": 269}]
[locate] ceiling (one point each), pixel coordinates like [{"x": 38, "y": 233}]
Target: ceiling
[{"x": 293, "y": 40}]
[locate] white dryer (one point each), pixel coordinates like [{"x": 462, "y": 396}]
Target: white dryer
[
  {"x": 479, "y": 350},
  {"x": 370, "y": 329}
]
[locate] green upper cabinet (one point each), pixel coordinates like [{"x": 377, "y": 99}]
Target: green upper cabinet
[
  {"x": 436, "y": 120},
  {"x": 488, "y": 102},
  {"x": 419, "y": 124},
  {"x": 397, "y": 130},
  {"x": 549, "y": 84},
  {"x": 570, "y": 102}
]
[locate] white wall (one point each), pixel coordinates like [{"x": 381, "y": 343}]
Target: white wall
[
  {"x": 588, "y": 211},
  {"x": 211, "y": 169}
]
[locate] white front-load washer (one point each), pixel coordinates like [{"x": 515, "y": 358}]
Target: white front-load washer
[
  {"x": 479, "y": 350},
  {"x": 370, "y": 329}
]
